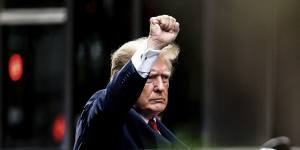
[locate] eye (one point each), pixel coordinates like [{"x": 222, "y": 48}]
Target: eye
[
  {"x": 165, "y": 78},
  {"x": 150, "y": 79}
]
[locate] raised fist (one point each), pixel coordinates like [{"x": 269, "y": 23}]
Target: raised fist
[{"x": 163, "y": 30}]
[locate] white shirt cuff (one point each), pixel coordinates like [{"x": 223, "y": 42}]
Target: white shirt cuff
[{"x": 143, "y": 59}]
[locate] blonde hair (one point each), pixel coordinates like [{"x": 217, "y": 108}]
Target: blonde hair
[{"x": 122, "y": 55}]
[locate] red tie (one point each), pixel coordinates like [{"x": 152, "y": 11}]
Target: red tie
[{"x": 153, "y": 125}]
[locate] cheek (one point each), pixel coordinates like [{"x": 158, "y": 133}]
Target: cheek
[
  {"x": 145, "y": 96},
  {"x": 167, "y": 89},
  {"x": 146, "y": 93}
]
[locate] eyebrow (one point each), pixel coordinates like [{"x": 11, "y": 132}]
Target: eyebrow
[{"x": 164, "y": 73}]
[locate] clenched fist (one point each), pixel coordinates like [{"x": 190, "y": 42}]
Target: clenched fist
[{"x": 163, "y": 30}]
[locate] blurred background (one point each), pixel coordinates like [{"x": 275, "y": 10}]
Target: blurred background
[{"x": 236, "y": 84}]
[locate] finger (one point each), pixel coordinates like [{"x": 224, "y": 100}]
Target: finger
[
  {"x": 172, "y": 23},
  {"x": 169, "y": 24},
  {"x": 172, "y": 18},
  {"x": 164, "y": 22},
  {"x": 176, "y": 27},
  {"x": 154, "y": 29},
  {"x": 154, "y": 20}
]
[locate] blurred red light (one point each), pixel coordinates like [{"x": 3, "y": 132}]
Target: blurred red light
[
  {"x": 15, "y": 67},
  {"x": 58, "y": 128}
]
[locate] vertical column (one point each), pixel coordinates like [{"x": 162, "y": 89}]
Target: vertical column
[
  {"x": 136, "y": 19},
  {"x": 286, "y": 111},
  {"x": 208, "y": 61},
  {"x": 271, "y": 75},
  {"x": 1, "y": 78},
  {"x": 69, "y": 77}
]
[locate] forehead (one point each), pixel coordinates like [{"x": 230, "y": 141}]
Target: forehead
[{"x": 161, "y": 65}]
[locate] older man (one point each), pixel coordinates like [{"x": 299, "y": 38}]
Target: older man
[{"x": 126, "y": 115}]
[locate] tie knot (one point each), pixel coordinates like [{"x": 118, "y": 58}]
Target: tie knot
[{"x": 153, "y": 125}]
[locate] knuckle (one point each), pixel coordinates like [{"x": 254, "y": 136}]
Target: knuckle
[{"x": 151, "y": 19}]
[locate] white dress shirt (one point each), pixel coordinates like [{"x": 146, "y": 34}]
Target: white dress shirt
[{"x": 143, "y": 59}]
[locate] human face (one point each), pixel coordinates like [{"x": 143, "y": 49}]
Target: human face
[{"x": 154, "y": 97}]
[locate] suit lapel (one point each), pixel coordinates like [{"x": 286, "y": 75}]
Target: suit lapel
[
  {"x": 144, "y": 136},
  {"x": 164, "y": 131},
  {"x": 169, "y": 135}
]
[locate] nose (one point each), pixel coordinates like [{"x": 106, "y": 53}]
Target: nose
[{"x": 158, "y": 84}]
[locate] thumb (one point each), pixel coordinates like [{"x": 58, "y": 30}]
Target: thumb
[{"x": 154, "y": 29}]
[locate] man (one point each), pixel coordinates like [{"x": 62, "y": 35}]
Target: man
[{"x": 126, "y": 115}]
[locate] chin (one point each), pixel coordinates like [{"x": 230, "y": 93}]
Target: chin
[{"x": 158, "y": 108}]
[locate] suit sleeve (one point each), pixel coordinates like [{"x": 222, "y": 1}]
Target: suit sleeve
[
  {"x": 123, "y": 91},
  {"x": 107, "y": 108}
]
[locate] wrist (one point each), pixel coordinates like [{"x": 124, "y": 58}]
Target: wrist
[{"x": 155, "y": 44}]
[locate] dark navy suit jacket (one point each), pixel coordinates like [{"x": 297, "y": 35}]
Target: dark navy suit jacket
[{"x": 108, "y": 120}]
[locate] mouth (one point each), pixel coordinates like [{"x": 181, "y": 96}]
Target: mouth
[{"x": 157, "y": 100}]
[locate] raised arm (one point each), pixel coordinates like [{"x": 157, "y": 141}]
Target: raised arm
[{"x": 125, "y": 88}]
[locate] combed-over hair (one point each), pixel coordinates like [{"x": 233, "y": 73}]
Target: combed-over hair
[{"x": 122, "y": 55}]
